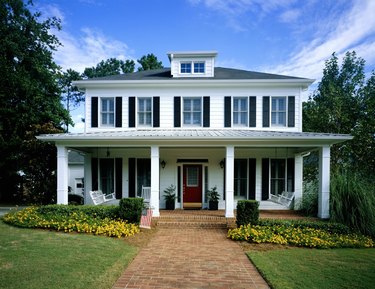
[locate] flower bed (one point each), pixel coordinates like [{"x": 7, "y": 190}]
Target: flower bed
[
  {"x": 73, "y": 221},
  {"x": 299, "y": 234}
]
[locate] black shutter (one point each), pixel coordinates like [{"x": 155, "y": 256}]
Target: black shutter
[
  {"x": 290, "y": 175},
  {"x": 227, "y": 112},
  {"x": 156, "y": 111},
  {"x": 252, "y": 178},
  {"x": 177, "y": 111},
  {"x": 94, "y": 174},
  {"x": 131, "y": 181},
  {"x": 265, "y": 179},
  {"x": 206, "y": 111},
  {"x": 132, "y": 111},
  {"x": 118, "y": 185},
  {"x": 252, "y": 111},
  {"x": 94, "y": 111},
  {"x": 119, "y": 111},
  {"x": 266, "y": 111},
  {"x": 291, "y": 111}
]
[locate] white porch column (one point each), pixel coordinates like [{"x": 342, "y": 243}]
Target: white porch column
[
  {"x": 155, "y": 186},
  {"x": 298, "y": 180},
  {"x": 62, "y": 175},
  {"x": 324, "y": 182},
  {"x": 229, "y": 182},
  {"x": 88, "y": 178}
]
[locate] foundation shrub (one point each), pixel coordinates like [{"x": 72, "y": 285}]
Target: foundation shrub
[
  {"x": 131, "y": 209},
  {"x": 309, "y": 202},
  {"x": 247, "y": 212}
]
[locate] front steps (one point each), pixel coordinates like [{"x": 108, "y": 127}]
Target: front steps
[{"x": 191, "y": 219}]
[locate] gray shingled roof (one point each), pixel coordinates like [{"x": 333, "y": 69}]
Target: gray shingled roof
[{"x": 220, "y": 73}]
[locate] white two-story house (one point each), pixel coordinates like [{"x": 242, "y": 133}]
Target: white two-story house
[{"x": 196, "y": 126}]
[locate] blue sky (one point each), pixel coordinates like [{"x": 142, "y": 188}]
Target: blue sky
[{"x": 292, "y": 37}]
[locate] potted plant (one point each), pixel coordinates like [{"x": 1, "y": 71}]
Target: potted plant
[
  {"x": 170, "y": 197},
  {"x": 213, "y": 198}
]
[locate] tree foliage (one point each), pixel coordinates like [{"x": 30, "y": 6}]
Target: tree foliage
[
  {"x": 29, "y": 98},
  {"x": 148, "y": 62},
  {"x": 71, "y": 96},
  {"x": 344, "y": 103},
  {"x": 111, "y": 66}
]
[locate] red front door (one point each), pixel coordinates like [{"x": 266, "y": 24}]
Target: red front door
[{"x": 192, "y": 186}]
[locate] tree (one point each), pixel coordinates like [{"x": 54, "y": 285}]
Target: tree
[
  {"x": 148, "y": 62},
  {"x": 71, "y": 95},
  {"x": 29, "y": 97},
  {"x": 344, "y": 103},
  {"x": 111, "y": 66}
]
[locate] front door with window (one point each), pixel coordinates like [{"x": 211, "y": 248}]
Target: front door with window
[{"x": 192, "y": 187}]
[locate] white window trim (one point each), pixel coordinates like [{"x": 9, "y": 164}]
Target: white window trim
[
  {"x": 247, "y": 112},
  {"x": 286, "y": 112},
  {"x": 182, "y": 111},
  {"x": 137, "y": 111},
  {"x": 101, "y": 112}
]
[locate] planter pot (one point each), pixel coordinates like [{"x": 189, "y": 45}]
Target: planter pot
[
  {"x": 213, "y": 205},
  {"x": 169, "y": 205}
]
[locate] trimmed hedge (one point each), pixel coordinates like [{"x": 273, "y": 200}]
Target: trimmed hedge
[
  {"x": 102, "y": 212},
  {"x": 247, "y": 212},
  {"x": 131, "y": 209}
]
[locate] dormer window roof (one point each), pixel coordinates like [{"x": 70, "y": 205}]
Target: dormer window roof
[{"x": 192, "y": 63}]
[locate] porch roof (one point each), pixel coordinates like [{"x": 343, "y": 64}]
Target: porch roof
[{"x": 198, "y": 136}]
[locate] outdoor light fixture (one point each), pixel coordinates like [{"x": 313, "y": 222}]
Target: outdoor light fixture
[
  {"x": 163, "y": 163},
  {"x": 108, "y": 153},
  {"x": 222, "y": 164}
]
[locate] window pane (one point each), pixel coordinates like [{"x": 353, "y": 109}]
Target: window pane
[
  {"x": 277, "y": 176},
  {"x": 192, "y": 176},
  {"x": 199, "y": 67},
  {"x": 107, "y": 175},
  {"x": 185, "y": 67},
  {"x": 192, "y": 113},
  {"x": 240, "y": 178},
  {"x": 197, "y": 105},
  {"x": 148, "y": 104},
  {"x": 187, "y": 104},
  {"x": 196, "y": 118},
  {"x": 148, "y": 118},
  {"x": 187, "y": 119}
]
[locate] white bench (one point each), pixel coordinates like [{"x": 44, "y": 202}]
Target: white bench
[
  {"x": 99, "y": 198},
  {"x": 285, "y": 198}
]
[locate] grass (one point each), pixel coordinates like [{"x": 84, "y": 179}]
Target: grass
[
  {"x": 312, "y": 268},
  {"x": 40, "y": 259}
]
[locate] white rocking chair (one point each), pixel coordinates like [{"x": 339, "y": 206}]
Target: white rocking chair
[
  {"x": 285, "y": 198},
  {"x": 99, "y": 198}
]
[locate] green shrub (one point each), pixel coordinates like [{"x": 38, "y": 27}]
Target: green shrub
[
  {"x": 334, "y": 228},
  {"x": 353, "y": 202},
  {"x": 131, "y": 209},
  {"x": 247, "y": 212},
  {"x": 102, "y": 212}
]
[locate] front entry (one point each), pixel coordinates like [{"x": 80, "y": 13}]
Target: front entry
[{"x": 192, "y": 187}]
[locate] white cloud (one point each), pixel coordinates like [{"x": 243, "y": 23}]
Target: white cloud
[
  {"x": 290, "y": 16},
  {"x": 88, "y": 49},
  {"x": 351, "y": 31}
]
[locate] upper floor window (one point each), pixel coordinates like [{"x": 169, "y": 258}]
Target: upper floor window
[
  {"x": 185, "y": 67},
  {"x": 199, "y": 67},
  {"x": 192, "y": 111},
  {"x": 240, "y": 111},
  {"x": 107, "y": 111},
  {"x": 278, "y": 111},
  {"x": 144, "y": 111}
]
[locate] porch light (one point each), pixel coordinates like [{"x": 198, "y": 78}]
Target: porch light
[
  {"x": 222, "y": 164},
  {"x": 163, "y": 163}
]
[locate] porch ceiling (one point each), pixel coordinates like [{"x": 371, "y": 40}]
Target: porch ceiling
[{"x": 195, "y": 137}]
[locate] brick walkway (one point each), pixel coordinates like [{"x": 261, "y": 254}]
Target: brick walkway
[
  {"x": 191, "y": 258},
  {"x": 191, "y": 250}
]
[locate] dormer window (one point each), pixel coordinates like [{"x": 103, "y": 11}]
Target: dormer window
[
  {"x": 199, "y": 67},
  {"x": 185, "y": 67}
]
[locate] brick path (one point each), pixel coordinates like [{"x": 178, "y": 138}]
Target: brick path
[{"x": 191, "y": 258}]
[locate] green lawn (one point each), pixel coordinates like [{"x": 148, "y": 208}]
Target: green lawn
[
  {"x": 314, "y": 268},
  {"x": 40, "y": 259}
]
